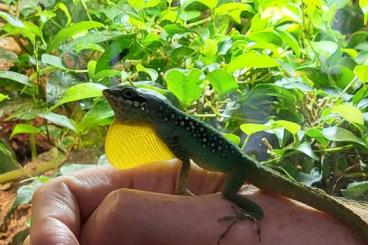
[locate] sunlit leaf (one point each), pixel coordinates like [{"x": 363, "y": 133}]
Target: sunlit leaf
[
  {"x": 232, "y": 137},
  {"x": 361, "y": 71},
  {"x": 252, "y": 60},
  {"x": 185, "y": 84},
  {"x": 234, "y": 10},
  {"x": 142, "y": 4},
  {"x": 79, "y": 92},
  {"x": 222, "y": 82},
  {"x": 292, "y": 127},
  {"x": 3, "y": 97},
  {"x": 290, "y": 40},
  {"x": 251, "y": 128},
  {"x": 210, "y": 47},
  {"x": 364, "y": 6},
  {"x": 68, "y": 32},
  {"x": 350, "y": 113},
  {"x": 23, "y": 128},
  {"x": 209, "y": 3}
]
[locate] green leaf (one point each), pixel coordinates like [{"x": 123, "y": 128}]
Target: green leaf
[
  {"x": 360, "y": 95},
  {"x": 292, "y": 127},
  {"x": 64, "y": 8},
  {"x": 14, "y": 21},
  {"x": 23, "y": 128},
  {"x": 7, "y": 158},
  {"x": 101, "y": 114},
  {"x": 307, "y": 150},
  {"x": 142, "y": 4},
  {"x": 119, "y": 44},
  {"x": 341, "y": 135},
  {"x": 233, "y": 10},
  {"x": 106, "y": 74},
  {"x": 89, "y": 46},
  {"x": 80, "y": 92},
  {"x": 151, "y": 72},
  {"x": 252, "y": 60},
  {"x": 25, "y": 192},
  {"x": 364, "y": 6},
  {"x": 211, "y": 4},
  {"x": 185, "y": 84},
  {"x": 222, "y": 82},
  {"x": 58, "y": 119},
  {"x": 53, "y": 61},
  {"x": 91, "y": 67},
  {"x": 356, "y": 191},
  {"x": 251, "y": 128},
  {"x": 209, "y": 47},
  {"x": 68, "y": 32},
  {"x": 290, "y": 40},
  {"x": 361, "y": 71},
  {"x": 232, "y": 137},
  {"x": 16, "y": 77},
  {"x": 350, "y": 113},
  {"x": 324, "y": 48},
  {"x": 3, "y": 97}
]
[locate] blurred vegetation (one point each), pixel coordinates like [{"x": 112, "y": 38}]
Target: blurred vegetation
[{"x": 286, "y": 80}]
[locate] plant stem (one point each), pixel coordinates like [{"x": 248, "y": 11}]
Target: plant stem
[{"x": 32, "y": 145}]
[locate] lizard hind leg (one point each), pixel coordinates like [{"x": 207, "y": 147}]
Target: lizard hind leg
[{"x": 249, "y": 210}]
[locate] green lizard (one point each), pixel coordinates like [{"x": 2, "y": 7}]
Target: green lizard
[{"x": 189, "y": 138}]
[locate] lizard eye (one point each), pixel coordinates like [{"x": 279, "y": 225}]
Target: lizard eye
[{"x": 128, "y": 94}]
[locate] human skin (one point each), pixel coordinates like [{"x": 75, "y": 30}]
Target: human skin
[{"x": 137, "y": 206}]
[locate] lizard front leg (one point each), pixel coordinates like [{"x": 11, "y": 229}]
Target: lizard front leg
[
  {"x": 249, "y": 209},
  {"x": 232, "y": 185}
]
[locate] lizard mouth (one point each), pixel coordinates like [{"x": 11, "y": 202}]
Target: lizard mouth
[{"x": 114, "y": 100}]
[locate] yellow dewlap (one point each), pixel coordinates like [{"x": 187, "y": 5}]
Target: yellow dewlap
[{"x": 129, "y": 145}]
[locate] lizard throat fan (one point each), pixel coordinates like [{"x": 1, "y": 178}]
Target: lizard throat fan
[{"x": 128, "y": 145}]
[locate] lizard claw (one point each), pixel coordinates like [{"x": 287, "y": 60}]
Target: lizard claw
[{"x": 240, "y": 215}]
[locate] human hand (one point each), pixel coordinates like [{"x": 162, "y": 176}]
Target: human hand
[{"x": 137, "y": 206}]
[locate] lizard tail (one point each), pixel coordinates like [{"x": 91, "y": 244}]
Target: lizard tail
[{"x": 353, "y": 214}]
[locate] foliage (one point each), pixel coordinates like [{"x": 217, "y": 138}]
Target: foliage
[{"x": 291, "y": 76}]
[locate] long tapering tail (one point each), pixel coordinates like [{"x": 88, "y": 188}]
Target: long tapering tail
[{"x": 340, "y": 208}]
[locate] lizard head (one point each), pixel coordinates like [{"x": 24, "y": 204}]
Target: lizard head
[{"x": 132, "y": 105}]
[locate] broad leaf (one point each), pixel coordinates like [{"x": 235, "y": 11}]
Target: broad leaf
[
  {"x": 79, "y": 92},
  {"x": 67, "y": 33},
  {"x": 23, "y": 128},
  {"x": 185, "y": 85},
  {"x": 222, "y": 82},
  {"x": 16, "y": 77},
  {"x": 252, "y": 60},
  {"x": 341, "y": 134},
  {"x": 350, "y": 113},
  {"x": 58, "y": 119}
]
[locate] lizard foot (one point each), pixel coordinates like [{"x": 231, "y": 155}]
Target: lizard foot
[{"x": 240, "y": 215}]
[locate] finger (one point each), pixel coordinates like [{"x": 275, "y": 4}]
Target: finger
[
  {"x": 137, "y": 217},
  {"x": 62, "y": 203}
]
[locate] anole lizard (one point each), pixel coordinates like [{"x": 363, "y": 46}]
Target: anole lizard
[{"x": 189, "y": 138}]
